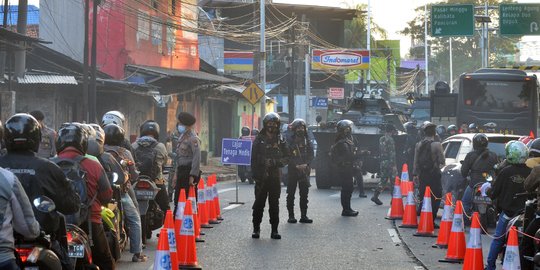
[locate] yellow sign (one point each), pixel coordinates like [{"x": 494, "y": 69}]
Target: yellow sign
[{"x": 253, "y": 93}]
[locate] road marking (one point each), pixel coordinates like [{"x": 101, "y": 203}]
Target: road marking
[
  {"x": 225, "y": 190},
  {"x": 419, "y": 268},
  {"x": 394, "y": 236},
  {"x": 232, "y": 206},
  {"x": 335, "y": 195}
]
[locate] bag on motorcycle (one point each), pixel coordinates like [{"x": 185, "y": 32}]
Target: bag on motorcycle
[
  {"x": 77, "y": 177},
  {"x": 146, "y": 160}
]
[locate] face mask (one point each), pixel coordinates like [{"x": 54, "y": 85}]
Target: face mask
[
  {"x": 181, "y": 128},
  {"x": 300, "y": 133}
]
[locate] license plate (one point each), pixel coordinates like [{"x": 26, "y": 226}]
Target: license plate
[
  {"x": 76, "y": 251},
  {"x": 144, "y": 194},
  {"x": 482, "y": 199}
]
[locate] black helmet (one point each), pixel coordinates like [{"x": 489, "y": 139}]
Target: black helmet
[
  {"x": 410, "y": 127},
  {"x": 297, "y": 123},
  {"x": 473, "y": 126},
  {"x": 114, "y": 135},
  {"x": 344, "y": 127},
  {"x": 245, "y": 131},
  {"x": 22, "y": 132},
  {"x": 534, "y": 149},
  {"x": 254, "y": 132},
  {"x": 480, "y": 141},
  {"x": 452, "y": 129},
  {"x": 73, "y": 135},
  {"x": 271, "y": 117},
  {"x": 149, "y": 128}
]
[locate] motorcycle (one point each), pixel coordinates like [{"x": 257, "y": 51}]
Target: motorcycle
[
  {"x": 483, "y": 204},
  {"x": 79, "y": 248},
  {"x": 37, "y": 253},
  {"x": 113, "y": 220},
  {"x": 151, "y": 215}
]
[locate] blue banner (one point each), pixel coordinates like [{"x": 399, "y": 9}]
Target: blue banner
[{"x": 236, "y": 152}]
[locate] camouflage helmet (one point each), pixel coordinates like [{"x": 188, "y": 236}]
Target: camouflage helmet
[{"x": 516, "y": 152}]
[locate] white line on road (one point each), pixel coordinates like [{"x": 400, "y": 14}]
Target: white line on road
[
  {"x": 419, "y": 268},
  {"x": 225, "y": 190},
  {"x": 394, "y": 236},
  {"x": 335, "y": 195},
  {"x": 232, "y": 206}
]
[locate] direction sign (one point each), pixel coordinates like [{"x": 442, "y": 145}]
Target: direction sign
[
  {"x": 253, "y": 93},
  {"x": 519, "y": 19},
  {"x": 236, "y": 151},
  {"x": 452, "y": 20},
  {"x": 320, "y": 102}
]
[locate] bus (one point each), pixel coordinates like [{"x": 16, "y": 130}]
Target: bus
[{"x": 506, "y": 97}]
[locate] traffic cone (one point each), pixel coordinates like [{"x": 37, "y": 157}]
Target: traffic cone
[
  {"x": 456, "y": 243},
  {"x": 216, "y": 197},
  {"x": 446, "y": 223},
  {"x": 179, "y": 216},
  {"x": 171, "y": 237},
  {"x": 425, "y": 228},
  {"x": 193, "y": 201},
  {"x": 406, "y": 183},
  {"x": 163, "y": 257},
  {"x": 201, "y": 205},
  {"x": 474, "y": 259},
  {"x": 187, "y": 258},
  {"x": 396, "y": 209},
  {"x": 212, "y": 219},
  {"x": 410, "y": 219},
  {"x": 511, "y": 256}
]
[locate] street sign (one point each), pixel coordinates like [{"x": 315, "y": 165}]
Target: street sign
[
  {"x": 452, "y": 20},
  {"x": 320, "y": 102},
  {"x": 519, "y": 19},
  {"x": 253, "y": 93},
  {"x": 236, "y": 152},
  {"x": 336, "y": 93}
]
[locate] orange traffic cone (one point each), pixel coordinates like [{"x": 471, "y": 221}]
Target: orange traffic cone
[
  {"x": 171, "y": 237},
  {"x": 193, "y": 201},
  {"x": 511, "y": 256},
  {"x": 410, "y": 220},
  {"x": 406, "y": 183},
  {"x": 396, "y": 210},
  {"x": 163, "y": 257},
  {"x": 216, "y": 197},
  {"x": 474, "y": 259},
  {"x": 187, "y": 258},
  {"x": 456, "y": 243},
  {"x": 446, "y": 223},
  {"x": 212, "y": 217},
  {"x": 201, "y": 205},
  {"x": 179, "y": 215},
  {"x": 425, "y": 228}
]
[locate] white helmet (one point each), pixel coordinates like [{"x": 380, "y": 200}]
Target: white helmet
[{"x": 113, "y": 117}]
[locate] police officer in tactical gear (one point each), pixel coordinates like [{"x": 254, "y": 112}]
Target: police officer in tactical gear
[
  {"x": 343, "y": 155},
  {"x": 300, "y": 156},
  {"x": 452, "y": 130},
  {"x": 269, "y": 153},
  {"x": 388, "y": 169},
  {"x": 473, "y": 128}
]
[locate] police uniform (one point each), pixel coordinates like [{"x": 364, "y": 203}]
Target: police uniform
[
  {"x": 301, "y": 153},
  {"x": 343, "y": 155},
  {"x": 188, "y": 161},
  {"x": 47, "y": 148}
]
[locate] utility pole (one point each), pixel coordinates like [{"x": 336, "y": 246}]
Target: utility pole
[
  {"x": 368, "y": 82},
  {"x": 290, "y": 96},
  {"x": 93, "y": 63},
  {"x": 3, "y": 48},
  {"x": 85, "y": 60},
  {"x": 262, "y": 67},
  {"x": 426, "y": 50},
  {"x": 20, "y": 52},
  {"x": 451, "y": 82}
]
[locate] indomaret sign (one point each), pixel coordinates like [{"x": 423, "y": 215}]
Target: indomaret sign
[{"x": 340, "y": 59}]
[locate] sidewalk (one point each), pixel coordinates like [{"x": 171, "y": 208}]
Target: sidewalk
[{"x": 223, "y": 173}]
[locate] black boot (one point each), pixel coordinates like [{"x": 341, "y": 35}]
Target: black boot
[
  {"x": 375, "y": 198},
  {"x": 349, "y": 213},
  {"x": 304, "y": 218},
  {"x": 275, "y": 234},
  {"x": 256, "y": 231},
  {"x": 291, "y": 216}
]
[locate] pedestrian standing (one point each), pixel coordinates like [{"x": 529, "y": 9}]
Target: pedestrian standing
[
  {"x": 47, "y": 148},
  {"x": 343, "y": 156},
  {"x": 269, "y": 154},
  {"x": 532, "y": 185},
  {"x": 388, "y": 170},
  {"x": 301, "y": 155}
]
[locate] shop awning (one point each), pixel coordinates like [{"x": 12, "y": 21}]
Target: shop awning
[{"x": 161, "y": 73}]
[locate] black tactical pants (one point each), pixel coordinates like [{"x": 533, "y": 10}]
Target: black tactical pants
[
  {"x": 182, "y": 182},
  {"x": 433, "y": 180},
  {"x": 297, "y": 178},
  {"x": 267, "y": 188},
  {"x": 527, "y": 244},
  {"x": 347, "y": 186}
]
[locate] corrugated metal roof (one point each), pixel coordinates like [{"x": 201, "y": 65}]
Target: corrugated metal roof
[
  {"x": 191, "y": 74},
  {"x": 47, "y": 79}
]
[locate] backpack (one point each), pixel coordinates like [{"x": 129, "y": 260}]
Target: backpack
[
  {"x": 146, "y": 160},
  {"x": 77, "y": 177},
  {"x": 425, "y": 158}
]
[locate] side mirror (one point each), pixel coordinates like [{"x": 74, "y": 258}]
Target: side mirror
[{"x": 44, "y": 204}]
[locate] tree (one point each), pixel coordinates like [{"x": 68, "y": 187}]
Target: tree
[{"x": 356, "y": 29}]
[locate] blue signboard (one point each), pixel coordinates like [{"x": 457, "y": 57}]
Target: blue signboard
[
  {"x": 320, "y": 102},
  {"x": 236, "y": 152}
]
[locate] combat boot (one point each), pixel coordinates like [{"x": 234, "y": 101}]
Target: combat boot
[
  {"x": 256, "y": 231},
  {"x": 304, "y": 218},
  {"x": 375, "y": 198},
  {"x": 291, "y": 217},
  {"x": 275, "y": 234}
]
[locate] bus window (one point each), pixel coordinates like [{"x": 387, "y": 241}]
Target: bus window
[{"x": 496, "y": 96}]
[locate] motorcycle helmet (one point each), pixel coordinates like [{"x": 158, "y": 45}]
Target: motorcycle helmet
[
  {"x": 441, "y": 130},
  {"x": 516, "y": 152},
  {"x": 452, "y": 130},
  {"x": 473, "y": 128},
  {"x": 534, "y": 149},
  {"x": 344, "y": 127},
  {"x": 72, "y": 135},
  {"x": 95, "y": 148},
  {"x": 114, "y": 135},
  {"x": 297, "y": 124},
  {"x": 150, "y": 128},
  {"x": 271, "y": 117},
  {"x": 245, "y": 131},
  {"x": 113, "y": 117},
  {"x": 490, "y": 127},
  {"x": 22, "y": 132},
  {"x": 480, "y": 141}
]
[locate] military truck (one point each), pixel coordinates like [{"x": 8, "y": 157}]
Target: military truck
[{"x": 369, "y": 116}]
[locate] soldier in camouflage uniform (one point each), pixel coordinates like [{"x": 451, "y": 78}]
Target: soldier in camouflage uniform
[{"x": 388, "y": 168}]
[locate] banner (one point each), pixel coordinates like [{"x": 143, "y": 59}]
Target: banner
[{"x": 340, "y": 59}]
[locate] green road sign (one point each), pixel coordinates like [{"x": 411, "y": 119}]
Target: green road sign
[
  {"x": 452, "y": 20},
  {"x": 519, "y": 19}
]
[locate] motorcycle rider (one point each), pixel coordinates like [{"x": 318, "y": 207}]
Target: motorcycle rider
[
  {"x": 301, "y": 155},
  {"x": 71, "y": 144},
  {"x": 441, "y": 132},
  {"x": 117, "y": 118},
  {"x": 473, "y": 128},
  {"x": 477, "y": 163},
  {"x": 452, "y": 130},
  {"x": 269, "y": 153},
  {"x": 48, "y": 137},
  {"x": 343, "y": 156},
  {"x": 507, "y": 184},
  {"x": 532, "y": 184}
]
